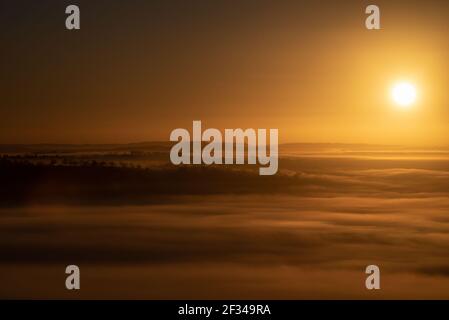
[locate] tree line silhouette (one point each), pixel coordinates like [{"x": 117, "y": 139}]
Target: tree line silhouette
[{"x": 61, "y": 180}]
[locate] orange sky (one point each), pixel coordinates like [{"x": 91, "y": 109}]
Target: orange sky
[{"x": 134, "y": 72}]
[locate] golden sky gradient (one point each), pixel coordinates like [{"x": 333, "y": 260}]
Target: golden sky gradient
[{"x": 138, "y": 70}]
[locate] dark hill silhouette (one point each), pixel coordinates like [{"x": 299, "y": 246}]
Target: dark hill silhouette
[{"x": 26, "y": 183}]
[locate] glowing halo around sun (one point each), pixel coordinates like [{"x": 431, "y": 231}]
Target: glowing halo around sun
[{"x": 404, "y": 94}]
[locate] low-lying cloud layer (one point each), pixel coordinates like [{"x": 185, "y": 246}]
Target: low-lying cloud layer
[{"x": 310, "y": 237}]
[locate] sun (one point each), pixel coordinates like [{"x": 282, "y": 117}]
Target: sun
[{"x": 404, "y": 94}]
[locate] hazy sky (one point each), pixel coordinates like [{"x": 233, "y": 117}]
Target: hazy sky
[{"x": 138, "y": 69}]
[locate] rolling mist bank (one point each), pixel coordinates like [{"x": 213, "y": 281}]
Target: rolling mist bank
[{"x": 139, "y": 227}]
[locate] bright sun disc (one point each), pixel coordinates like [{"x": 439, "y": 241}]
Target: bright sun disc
[{"x": 404, "y": 94}]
